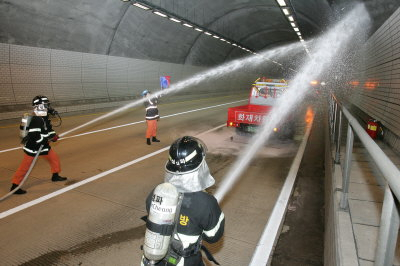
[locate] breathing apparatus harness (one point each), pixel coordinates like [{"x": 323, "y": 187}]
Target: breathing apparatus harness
[{"x": 176, "y": 251}]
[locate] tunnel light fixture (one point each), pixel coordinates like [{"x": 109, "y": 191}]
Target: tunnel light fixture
[
  {"x": 175, "y": 20},
  {"x": 281, "y": 2},
  {"x": 293, "y": 24},
  {"x": 286, "y": 11},
  {"x": 160, "y": 14},
  {"x": 141, "y": 6},
  {"x": 234, "y": 44},
  {"x": 290, "y": 18},
  {"x": 298, "y": 33},
  {"x": 296, "y": 29}
]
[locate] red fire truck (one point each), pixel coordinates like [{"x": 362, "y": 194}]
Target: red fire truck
[{"x": 263, "y": 96}]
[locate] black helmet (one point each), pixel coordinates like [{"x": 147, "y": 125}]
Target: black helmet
[
  {"x": 185, "y": 154},
  {"x": 40, "y": 99}
]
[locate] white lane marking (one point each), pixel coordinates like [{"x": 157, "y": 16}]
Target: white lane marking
[
  {"x": 87, "y": 180},
  {"x": 133, "y": 123}
]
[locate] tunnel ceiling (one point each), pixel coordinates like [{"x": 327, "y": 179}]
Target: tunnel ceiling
[{"x": 117, "y": 28}]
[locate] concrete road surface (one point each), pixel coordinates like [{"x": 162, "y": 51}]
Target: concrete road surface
[{"x": 98, "y": 223}]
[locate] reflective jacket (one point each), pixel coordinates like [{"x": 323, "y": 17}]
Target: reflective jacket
[
  {"x": 40, "y": 131},
  {"x": 200, "y": 218},
  {"x": 151, "y": 109}
]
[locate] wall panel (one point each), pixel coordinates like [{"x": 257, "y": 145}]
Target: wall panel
[
  {"x": 76, "y": 81},
  {"x": 381, "y": 69}
]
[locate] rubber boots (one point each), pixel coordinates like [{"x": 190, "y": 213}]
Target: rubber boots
[
  {"x": 18, "y": 191},
  {"x": 56, "y": 178}
]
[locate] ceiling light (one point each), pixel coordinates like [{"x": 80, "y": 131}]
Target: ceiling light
[
  {"x": 228, "y": 42},
  {"x": 296, "y": 29},
  {"x": 286, "y": 11},
  {"x": 290, "y": 18},
  {"x": 207, "y": 33},
  {"x": 234, "y": 44},
  {"x": 293, "y": 24},
  {"x": 199, "y": 29},
  {"x": 281, "y": 2},
  {"x": 141, "y": 6},
  {"x": 175, "y": 20},
  {"x": 298, "y": 33},
  {"x": 222, "y": 39},
  {"x": 301, "y": 40},
  {"x": 215, "y": 36},
  {"x": 160, "y": 14},
  {"x": 187, "y": 25}
]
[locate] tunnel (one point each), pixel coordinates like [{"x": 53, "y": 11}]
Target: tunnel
[{"x": 326, "y": 193}]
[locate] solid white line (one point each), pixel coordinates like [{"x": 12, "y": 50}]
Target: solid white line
[
  {"x": 133, "y": 123},
  {"x": 87, "y": 180},
  {"x": 267, "y": 240}
]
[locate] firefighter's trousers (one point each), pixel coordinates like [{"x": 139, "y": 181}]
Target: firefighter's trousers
[
  {"x": 151, "y": 128},
  {"x": 23, "y": 168}
]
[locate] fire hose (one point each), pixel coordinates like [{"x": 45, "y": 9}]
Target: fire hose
[{"x": 26, "y": 175}]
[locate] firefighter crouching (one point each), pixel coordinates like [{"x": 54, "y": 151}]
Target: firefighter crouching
[
  {"x": 39, "y": 132},
  {"x": 181, "y": 214}
]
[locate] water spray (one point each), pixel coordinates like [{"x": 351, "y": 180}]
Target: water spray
[
  {"x": 253, "y": 60},
  {"x": 326, "y": 48}
]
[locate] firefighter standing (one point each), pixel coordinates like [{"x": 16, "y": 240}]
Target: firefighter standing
[
  {"x": 200, "y": 217},
  {"x": 40, "y": 132},
  {"x": 151, "y": 117}
]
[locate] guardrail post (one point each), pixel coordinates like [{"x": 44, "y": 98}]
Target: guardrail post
[
  {"x": 337, "y": 155},
  {"x": 334, "y": 122},
  {"x": 388, "y": 231},
  {"x": 331, "y": 101},
  {"x": 344, "y": 204}
]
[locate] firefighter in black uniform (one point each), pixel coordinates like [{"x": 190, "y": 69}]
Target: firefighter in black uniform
[
  {"x": 200, "y": 217},
  {"x": 40, "y": 132},
  {"x": 152, "y": 116}
]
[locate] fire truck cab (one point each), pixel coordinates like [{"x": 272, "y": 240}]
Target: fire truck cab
[{"x": 263, "y": 96}]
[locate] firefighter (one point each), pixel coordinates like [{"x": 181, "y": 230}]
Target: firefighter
[
  {"x": 40, "y": 132},
  {"x": 151, "y": 116},
  {"x": 199, "y": 217}
]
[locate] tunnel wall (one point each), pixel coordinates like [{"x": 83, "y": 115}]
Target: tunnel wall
[
  {"x": 77, "y": 81},
  {"x": 378, "y": 90}
]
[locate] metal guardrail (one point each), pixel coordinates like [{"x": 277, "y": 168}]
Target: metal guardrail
[{"x": 389, "y": 224}]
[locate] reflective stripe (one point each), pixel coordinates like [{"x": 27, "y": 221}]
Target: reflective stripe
[
  {"x": 31, "y": 151},
  {"x": 186, "y": 239},
  {"x": 213, "y": 231},
  {"x": 190, "y": 156},
  {"x": 149, "y": 117},
  {"x": 34, "y": 129},
  {"x": 151, "y": 107},
  {"x": 40, "y": 140}
]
